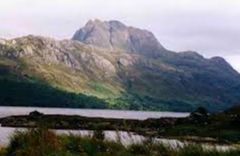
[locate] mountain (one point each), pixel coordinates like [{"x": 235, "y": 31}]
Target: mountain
[
  {"x": 114, "y": 35},
  {"x": 111, "y": 65}
]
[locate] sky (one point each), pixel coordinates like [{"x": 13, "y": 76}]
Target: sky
[{"x": 210, "y": 27}]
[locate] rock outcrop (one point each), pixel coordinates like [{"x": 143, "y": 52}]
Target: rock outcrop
[
  {"x": 114, "y": 35},
  {"x": 125, "y": 66}
]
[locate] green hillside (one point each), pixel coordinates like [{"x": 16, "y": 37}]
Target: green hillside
[
  {"x": 21, "y": 90},
  {"x": 40, "y": 71}
]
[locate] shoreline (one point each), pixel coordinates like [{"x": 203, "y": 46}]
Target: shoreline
[{"x": 184, "y": 128}]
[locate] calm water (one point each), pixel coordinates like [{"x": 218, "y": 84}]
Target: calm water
[
  {"x": 126, "y": 138},
  {"x": 141, "y": 115},
  {"x": 6, "y": 132}
]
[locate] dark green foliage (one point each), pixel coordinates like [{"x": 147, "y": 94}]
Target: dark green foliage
[
  {"x": 150, "y": 91},
  {"x": 159, "y": 80},
  {"x": 18, "y": 89},
  {"x": 98, "y": 134},
  {"x": 20, "y": 93}
]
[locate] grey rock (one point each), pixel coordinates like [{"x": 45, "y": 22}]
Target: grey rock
[
  {"x": 126, "y": 60},
  {"x": 114, "y": 35}
]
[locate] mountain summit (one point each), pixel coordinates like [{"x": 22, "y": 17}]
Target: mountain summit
[
  {"x": 114, "y": 35},
  {"x": 111, "y": 65}
]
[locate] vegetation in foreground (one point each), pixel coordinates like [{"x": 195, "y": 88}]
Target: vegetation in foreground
[
  {"x": 199, "y": 126},
  {"x": 42, "y": 142}
]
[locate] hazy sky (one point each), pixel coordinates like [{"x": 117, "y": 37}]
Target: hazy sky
[{"x": 211, "y": 27}]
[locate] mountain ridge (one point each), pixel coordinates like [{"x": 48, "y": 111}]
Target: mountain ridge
[
  {"x": 155, "y": 80},
  {"x": 115, "y": 35}
]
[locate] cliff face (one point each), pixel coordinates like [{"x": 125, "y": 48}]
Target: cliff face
[
  {"x": 114, "y": 35},
  {"x": 125, "y": 66}
]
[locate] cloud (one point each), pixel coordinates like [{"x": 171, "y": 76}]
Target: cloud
[
  {"x": 211, "y": 27},
  {"x": 234, "y": 60}
]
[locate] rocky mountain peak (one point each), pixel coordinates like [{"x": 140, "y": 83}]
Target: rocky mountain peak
[
  {"x": 114, "y": 35},
  {"x": 116, "y": 24},
  {"x": 123, "y": 70}
]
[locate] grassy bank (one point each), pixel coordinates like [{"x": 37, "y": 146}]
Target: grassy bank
[
  {"x": 220, "y": 127},
  {"x": 42, "y": 142}
]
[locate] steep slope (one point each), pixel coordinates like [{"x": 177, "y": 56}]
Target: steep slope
[
  {"x": 124, "y": 73},
  {"x": 20, "y": 89},
  {"x": 160, "y": 75},
  {"x": 114, "y": 35},
  {"x": 65, "y": 64}
]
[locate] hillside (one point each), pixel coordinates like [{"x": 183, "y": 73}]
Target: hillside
[{"x": 118, "y": 66}]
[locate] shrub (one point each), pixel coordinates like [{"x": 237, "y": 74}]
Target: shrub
[{"x": 42, "y": 142}]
